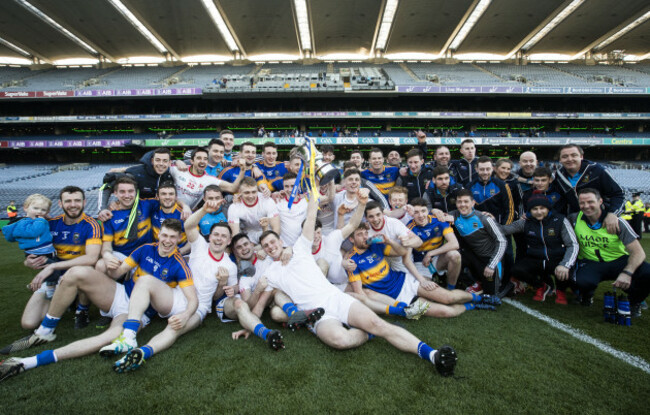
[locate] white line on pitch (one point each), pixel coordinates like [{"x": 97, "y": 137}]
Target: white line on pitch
[{"x": 630, "y": 359}]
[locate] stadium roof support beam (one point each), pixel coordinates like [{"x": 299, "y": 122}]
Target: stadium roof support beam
[
  {"x": 76, "y": 38},
  {"x": 614, "y": 34},
  {"x": 145, "y": 30},
  {"x": 546, "y": 27},
  {"x": 223, "y": 26},
  {"x": 474, "y": 12},
  {"x": 303, "y": 27},
  {"x": 26, "y": 51},
  {"x": 384, "y": 26}
]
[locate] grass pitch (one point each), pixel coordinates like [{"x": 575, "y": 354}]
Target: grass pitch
[{"x": 509, "y": 362}]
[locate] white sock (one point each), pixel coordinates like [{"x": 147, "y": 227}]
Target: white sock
[
  {"x": 129, "y": 334},
  {"x": 43, "y": 331},
  {"x": 29, "y": 362}
]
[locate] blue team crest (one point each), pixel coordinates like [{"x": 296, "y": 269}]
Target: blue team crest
[
  {"x": 585, "y": 179},
  {"x": 551, "y": 232},
  {"x": 164, "y": 272},
  {"x": 436, "y": 229},
  {"x": 492, "y": 192},
  {"x": 475, "y": 225},
  {"x": 76, "y": 238},
  {"x": 139, "y": 212}
]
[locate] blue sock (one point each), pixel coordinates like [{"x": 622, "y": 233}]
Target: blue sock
[
  {"x": 289, "y": 308},
  {"x": 261, "y": 331},
  {"x": 395, "y": 311},
  {"x": 451, "y": 286},
  {"x": 477, "y": 298},
  {"x": 469, "y": 306},
  {"x": 371, "y": 336},
  {"x": 426, "y": 352},
  {"x": 45, "y": 358},
  {"x": 50, "y": 322},
  {"x": 400, "y": 304},
  {"x": 147, "y": 351},
  {"x": 81, "y": 307},
  {"x": 131, "y": 325}
]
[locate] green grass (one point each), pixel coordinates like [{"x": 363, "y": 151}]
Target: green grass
[{"x": 509, "y": 362}]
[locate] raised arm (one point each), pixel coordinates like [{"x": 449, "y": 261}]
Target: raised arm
[
  {"x": 192, "y": 223},
  {"x": 310, "y": 221},
  {"x": 362, "y": 196}
]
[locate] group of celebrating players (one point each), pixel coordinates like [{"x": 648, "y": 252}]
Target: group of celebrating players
[{"x": 222, "y": 232}]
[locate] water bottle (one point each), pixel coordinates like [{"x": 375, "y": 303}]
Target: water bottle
[
  {"x": 609, "y": 308},
  {"x": 623, "y": 313}
]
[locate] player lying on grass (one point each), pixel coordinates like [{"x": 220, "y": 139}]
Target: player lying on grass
[
  {"x": 372, "y": 273},
  {"x": 304, "y": 282}
]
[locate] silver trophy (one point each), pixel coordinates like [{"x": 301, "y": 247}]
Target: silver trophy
[{"x": 325, "y": 172}]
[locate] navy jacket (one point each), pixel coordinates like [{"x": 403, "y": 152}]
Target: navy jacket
[
  {"x": 464, "y": 171},
  {"x": 595, "y": 176},
  {"x": 493, "y": 197}
]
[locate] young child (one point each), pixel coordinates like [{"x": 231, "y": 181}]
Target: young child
[{"x": 33, "y": 232}]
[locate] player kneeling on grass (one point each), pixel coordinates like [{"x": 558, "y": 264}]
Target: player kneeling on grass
[
  {"x": 551, "y": 249},
  {"x": 304, "y": 282},
  {"x": 373, "y": 273},
  {"x": 162, "y": 280}
]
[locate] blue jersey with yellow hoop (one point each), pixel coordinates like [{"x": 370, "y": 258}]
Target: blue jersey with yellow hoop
[
  {"x": 432, "y": 235},
  {"x": 373, "y": 271},
  {"x": 172, "y": 270},
  {"x": 273, "y": 174},
  {"x": 70, "y": 241},
  {"x": 384, "y": 180},
  {"x": 115, "y": 228},
  {"x": 158, "y": 216}
]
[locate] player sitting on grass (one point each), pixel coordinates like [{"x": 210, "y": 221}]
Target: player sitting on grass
[
  {"x": 373, "y": 273},
  {"x": 304, "y": 282},
  {"x": 162, "y": 280}
]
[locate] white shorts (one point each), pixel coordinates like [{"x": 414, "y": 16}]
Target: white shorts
[
  {"x": 425, "y": 271},
  {"x": 337, "y": 307},
  {"x": 120, "y": 305},
  {"x": 180, "y": 303},
  {"x": 409, "y": 289},
  {"x": 219, "y": 310}
]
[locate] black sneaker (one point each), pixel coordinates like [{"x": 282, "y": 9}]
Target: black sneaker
[
  {"x": 81, "y": 319},
  {"x": 486, "y": 307},
  {"x": 635, "y": 309},
  {"x": 445, "y": 360},
  {"x": 103, "y": 322},
  {"x": 587, "y": 301},
  {"x": 10, "y": 367},
  {"x": 304, "y": 318},
  {"x": 491, "y": 299},
  {"x": 274, "y": 340}
]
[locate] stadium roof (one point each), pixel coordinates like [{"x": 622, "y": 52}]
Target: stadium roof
[{"x": 130, "y": 31}]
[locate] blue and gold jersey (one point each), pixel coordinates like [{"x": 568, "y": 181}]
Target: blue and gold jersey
[
  {"x": 158, "y": 216},
  {"x": 273, "y": 174},
  {"x": 384, "y": 180},
  {"x": 230, "y": 174},
  {"x": 70, "y": 241},
  {"x": 432, "y": 235},
  {"x": 115, "y": 228},
  {"x": 373, "y": 271},
  {"x": 172, "y": 270}
]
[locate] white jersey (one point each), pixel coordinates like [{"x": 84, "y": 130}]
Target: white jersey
[
  {"x": 326, "y": 213},
  {"x": 330, "y": 251},
  {"x": 291, "y": 219},
  {"x": 189, "y": 187},
  {"x": 341, "y": 199},
  {"x": 248, "y": 217},
  {"x": 204, "y": 268},
  {"x": 302, "y": 280},
  {"x": 249, "y": 283},
  {"x": 392, "y": 228},
  {"x": 405, "y": 219}
]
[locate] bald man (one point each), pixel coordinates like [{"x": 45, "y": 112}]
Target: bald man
[{"x": 527, "y": 165}]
